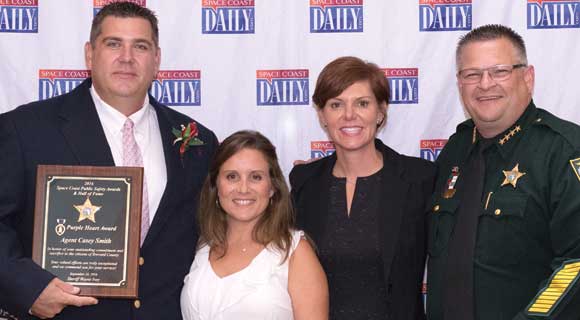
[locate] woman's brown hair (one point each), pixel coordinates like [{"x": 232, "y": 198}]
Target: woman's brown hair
[{"x": 273, "y": 227}]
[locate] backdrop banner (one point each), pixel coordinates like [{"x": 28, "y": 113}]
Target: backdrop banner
[{"x": 253, "y": 64}]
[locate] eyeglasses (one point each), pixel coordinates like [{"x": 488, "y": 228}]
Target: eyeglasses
[{"x": 500, "y": 72}]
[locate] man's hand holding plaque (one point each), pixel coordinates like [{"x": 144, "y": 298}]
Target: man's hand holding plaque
[{"x": 56, "y": 296}]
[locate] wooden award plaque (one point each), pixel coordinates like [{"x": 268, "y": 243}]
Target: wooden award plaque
[{"x": 87, "y": 225}]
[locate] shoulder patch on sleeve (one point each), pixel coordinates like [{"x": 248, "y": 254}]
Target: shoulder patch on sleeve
[
  {"x": 575, "y": 163},
  {"x": 558, "y": 286}
]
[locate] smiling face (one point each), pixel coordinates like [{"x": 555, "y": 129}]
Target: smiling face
[
  {"x": 123, "y": 60},
  {"x": 244, "y": 186},
  {"x": 351, "y": 118},
  {"x": 493, "y": 105}
]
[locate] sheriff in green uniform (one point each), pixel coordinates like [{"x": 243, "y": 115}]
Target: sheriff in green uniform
[{"x": 523, "y": 260}]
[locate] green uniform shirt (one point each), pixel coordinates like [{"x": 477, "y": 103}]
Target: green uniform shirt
[{"x": 528, "y": 234}]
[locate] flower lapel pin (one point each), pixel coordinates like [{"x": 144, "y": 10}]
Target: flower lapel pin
[{"x": 187, "y": 136}]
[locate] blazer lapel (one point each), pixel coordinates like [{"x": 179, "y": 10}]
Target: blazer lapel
[
  {"x": 82, "y": 128},
  {"x": 84, "y": 134},
  {"x": 174, "y": 169},
  {"x": 392, "y": 204}
]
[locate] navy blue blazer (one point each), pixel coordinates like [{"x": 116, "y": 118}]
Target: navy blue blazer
[
  {"x": 66, "y": 130},
  {"x": 407, "y": 184}
]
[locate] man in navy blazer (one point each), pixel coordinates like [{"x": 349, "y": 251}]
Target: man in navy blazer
[{"x": 74, "y": 129}]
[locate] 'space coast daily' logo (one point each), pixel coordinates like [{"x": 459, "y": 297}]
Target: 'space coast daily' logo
[
  {"x": 99, "y": 4},
  {"x": 404, "y": 83},
  {"x": 19, "y": 16},
  {"x": 430, "y": 149},
  {"x": 320, "y": 149},
  {"x": 282, "y": 87},
  {"x": 177, "y": 87},
  {"x": 444, "y": 15},
  {"x": 52, "y": 83},
  {"x": 549, "y": 14},
  {"x": 336, "y": 16},
  {"x": 227, "y": 16}
]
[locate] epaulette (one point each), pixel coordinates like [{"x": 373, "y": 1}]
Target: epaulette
[
  {"x": 568, "y": 130},
  {"x": 465, "y": 125}
]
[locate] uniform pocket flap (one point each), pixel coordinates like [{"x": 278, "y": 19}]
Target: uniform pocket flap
[
  {"x": 441, "y": 224},
  {"x": 513, "y": 205},
  {"x": 444, "y": 205}
]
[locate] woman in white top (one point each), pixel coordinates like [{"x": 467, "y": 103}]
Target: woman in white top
[{"x": 250, "y": 264}]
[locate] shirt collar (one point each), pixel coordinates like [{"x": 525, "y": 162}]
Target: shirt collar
[
  {"x": 114, "y": 120},
  {"x": 505, "y": 141}
]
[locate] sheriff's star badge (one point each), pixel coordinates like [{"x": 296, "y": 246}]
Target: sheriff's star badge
[{"x": 512, "y": 176}]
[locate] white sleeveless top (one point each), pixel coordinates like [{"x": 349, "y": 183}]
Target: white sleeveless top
[{"x": 259, "y": 291}]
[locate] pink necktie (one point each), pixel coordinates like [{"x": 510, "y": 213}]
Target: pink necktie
[{"x": 132, "y": 158}]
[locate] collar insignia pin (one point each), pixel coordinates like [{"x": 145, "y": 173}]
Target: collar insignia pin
[{"x": 509, "y": 135}]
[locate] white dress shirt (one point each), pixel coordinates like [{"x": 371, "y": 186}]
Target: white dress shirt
[{"x": 148, "y": 137}]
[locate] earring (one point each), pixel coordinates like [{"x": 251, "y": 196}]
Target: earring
[{"x": 217, "y": 203}]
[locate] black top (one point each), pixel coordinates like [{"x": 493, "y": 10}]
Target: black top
[
  {"x": 405, "y": 186},
  {"x": 350, "y": 252}
]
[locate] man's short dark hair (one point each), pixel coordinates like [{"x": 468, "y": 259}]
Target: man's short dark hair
[
  {"x": 493, "y": 32},
  {"x": 124, "y": 9}
]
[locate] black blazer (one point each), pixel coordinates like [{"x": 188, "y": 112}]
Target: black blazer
[
  {"x": 66, "y": 130},
  {"x": 407, "y": 186}
]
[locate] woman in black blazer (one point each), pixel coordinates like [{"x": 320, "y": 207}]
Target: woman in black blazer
[{"x": 364, "y": 205}]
